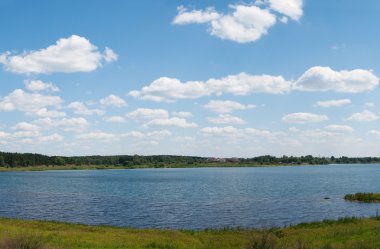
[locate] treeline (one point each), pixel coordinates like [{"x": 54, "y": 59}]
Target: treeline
[
  {"x": 291, "y": 160},
  {"x": 8, "y": 159}
]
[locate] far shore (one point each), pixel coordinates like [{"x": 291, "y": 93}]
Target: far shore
[{"x": 168, "y": 166}]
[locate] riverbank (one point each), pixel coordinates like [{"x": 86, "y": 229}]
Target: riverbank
[
  {"x": 169, "y": 166},
  {"x": 344, "y": 233},
  {"x": 100, "y": 167}
]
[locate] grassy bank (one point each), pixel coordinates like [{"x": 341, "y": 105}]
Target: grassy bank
[
  {"x": 342, "y": 234},
  {"x": 363, "y": 197}
]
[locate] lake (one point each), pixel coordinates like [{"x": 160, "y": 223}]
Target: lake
[{"x": 196, "y": 198}]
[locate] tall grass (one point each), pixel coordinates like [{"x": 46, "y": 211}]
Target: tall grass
[
  {"x": 363, "y": 197},
  {"x": 22, "y": 241}
]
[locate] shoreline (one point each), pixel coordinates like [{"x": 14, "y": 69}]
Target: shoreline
[
  {"x": 342, "y": 233},
  {"x": 113, "y": 167}
]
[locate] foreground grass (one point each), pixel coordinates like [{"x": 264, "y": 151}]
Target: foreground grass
[
  {"x": 341, "y": 234},
  {"x": 363, "y": 197}
]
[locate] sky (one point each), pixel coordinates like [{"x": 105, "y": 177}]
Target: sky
[{"x": 202, "y": 78}]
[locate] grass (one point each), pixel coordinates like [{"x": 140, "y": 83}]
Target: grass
[
  {"x": 347, "y": 233},
  {"x": 363, "y": 197}
]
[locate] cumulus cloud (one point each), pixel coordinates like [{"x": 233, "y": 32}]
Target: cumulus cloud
[
  {"x": 97, "y": 135},
  {"x": 25, "y": 126},
  {"x": 290, "y": 8},
  {"x": 29, "y": 103},
  {"x": 339, "y": 128},
  {"x": 245, "y": 23},
  {"x": 66, "y": 124},
  {"x": 175, "y": 121},
  {"x": 113, "y": 100},
  {"x": 182, "y": 114},
  {"x": 226, "y": 106},
  {"x": 258, "y": 133},
  {"x": 333, "y": 103},
  {"x": 151, "y": 135},
  {"x": 220, "y": 131},
  {"x": 82, "y": 109},
  {"x": 314, "y": 79},
  {"x": 375, "y": 133},
  {"x": 39, "y": 85},
  {"x": 244, "y": 84},
  {"x": 170, "y": 89},
  {"x": 195, "y": 16},
  {"x": 68, "y": 55},
  {"x": 51, "y": 138},
  {"x": 115, "y": 119},
  {"x": 303, "y": 118},
  {"x": 226, "y": 119},
  {"x": 364, "y": 116},
  {"x": 325, "y": 79},
  {"x": 147, "y": 113}
]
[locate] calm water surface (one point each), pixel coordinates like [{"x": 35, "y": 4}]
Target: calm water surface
[{"x": 190, "y": 198}]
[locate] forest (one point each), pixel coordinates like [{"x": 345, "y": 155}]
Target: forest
[{"x": 10, "y": 160}]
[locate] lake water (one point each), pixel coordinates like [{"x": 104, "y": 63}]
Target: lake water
[{"x": 190, "y": 198}]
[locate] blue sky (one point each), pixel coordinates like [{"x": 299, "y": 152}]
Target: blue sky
[{"x": 207, "y": 78}]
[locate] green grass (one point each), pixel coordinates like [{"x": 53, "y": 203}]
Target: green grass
[
  {"x": 363, "y": 197},
  {"x": 347, "y": 233}
]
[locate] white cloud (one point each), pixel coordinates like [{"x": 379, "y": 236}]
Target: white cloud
[
  {"x": 113, "y": 100},
  {"x": 226, "y": 119},
  {"x": 51, "y": 138},
  {"x": 370, "y": 104},
  {"x": 178, "y": 122},
  {"x": 226, "y": 106},
  {"x": 246, "y": 23},
  {"x": 220, "y": 131},
  {"x": 68, "y": 55},
  {"x": 170, "y": 89},
  {"x": 182, "y": 114},
  {"x": 110, "y": 55},
  {"x": 26, "y": 134},
  {"x": 82, "y": 109},
  {"x": 244, "y": 84},
  {"x": 29, "y": 103},
  {"x": 39, "y": 85},
  {"x": 44, "y": 112},
  {"x": 375, "y": 133},
  {"x": 364, "y": 116},
  {"x": 290, "y": 8},
  {"x": 151, "y": 135},
  {"x": 4, "y": 134},
  {"x": 303, "y": 118},
  {"x": 66, "y": 124},
  {"x": 334, "y": 103},
  {"x": 339, "y": 128},
  {"x": 146, "y": 113},
  {"x": 24, "y": 126},
  {"x": 115, "y": 119},
  {"x": 97, "y": 135},
  {"x": 314, "y": 79},
  {"x": 258, "y": 133},
  {"x": 325, "y": 79},
  {"x": 195, "y": 16}
]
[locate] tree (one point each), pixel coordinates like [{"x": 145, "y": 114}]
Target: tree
[{"x": 2, "y": 163}]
